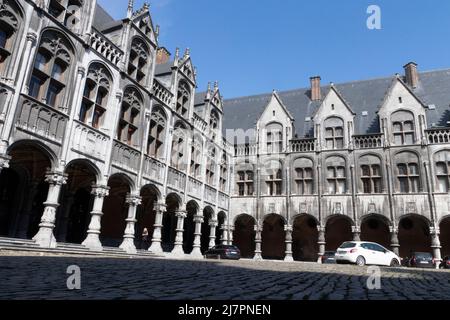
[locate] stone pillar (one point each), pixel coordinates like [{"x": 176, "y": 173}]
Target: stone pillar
[
  {"x": 230, "y": 238},
  {"x": 196, "y": 252},
  {"x": 156, "y": 238},
  {"x": 356, "y": 233},
  {"x": 212, "y": 233},
  {"x": 224, "y": 239},
  {"x": 395, "y": 245},
  {"x": 45, "y": 237},
  {"x": 288, "y": 229},
  {"x": 4, "y": 162},
  {"x": 258, "y": 240},
  {"x": 92, "y": 240},
  {"x": 178, "y": 248},
  {"x": 436, "y": 246},
  {"x": 321, "y": 242},
  {"x": 128, "y": 238}
]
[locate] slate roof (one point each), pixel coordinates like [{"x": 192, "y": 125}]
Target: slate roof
[
  {"x": 102, "y": 19},
  {"x": 362, "y": 96}
]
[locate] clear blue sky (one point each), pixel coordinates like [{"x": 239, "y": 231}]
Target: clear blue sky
[{"x": 254, "y": 46}]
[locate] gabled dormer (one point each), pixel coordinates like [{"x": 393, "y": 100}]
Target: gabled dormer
[
  {"x": 143, "y": 23},
  {"x": 275, "y": 126},
  {"x": 334, "y": 121},
  {"x": 186, "y": 68},
  {"x": 402, "y": 115},
  {"x": 76, "y": 15}
]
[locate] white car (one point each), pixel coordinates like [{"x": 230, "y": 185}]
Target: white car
[{"x": 363, "y": 252}]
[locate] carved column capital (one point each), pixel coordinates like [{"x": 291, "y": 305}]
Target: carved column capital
[
  {"x": 4, "y": 161},
  {"x": 213, "y": 223},
  {"x": 32, "y": 37},
  {"x": 133, "y": 200},
  {"x": 288, "y": 228},
  {"x": 82, "y": 71},
  {"x": 161, "y": 207},
  {"x": 100, "y": 191},
  {"x": 181, "y": 214},
  {"x": 56, "y": 177}
]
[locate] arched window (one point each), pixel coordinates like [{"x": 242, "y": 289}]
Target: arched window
[
  {"x": 155, "y": 142},
  {"x": 196, "y": 157},
  {"x": 334, "y": 133},
  {"x": 245, "y": 181},
  {"x": 211, "y": 167},
  {"x": 274, "y": 178},
  {"x": 336, "y": 175},
  {"x": 403, "y": 127},
  {"x": 408, "y": 175},
  {"x": 129, "y": 117},
  {"x": 9, "y": 24},
  {"x": 442, "y": 163},
  {"x": 95, "y": 96},
  {"x": 178, "y": 147},
  {"x": 303, "y": 177},
  {"x": 370, "y": 173},
  {"x": 213, "y": 123},
  {"x": 66, "y": 11},
  {"x": 139, "y": 57},
  {"x": 274, "y": 134},
  {"x": 51, "y": 70},
  {"x": 183, "y": 98},
  {"x": 223, "y": 173}
]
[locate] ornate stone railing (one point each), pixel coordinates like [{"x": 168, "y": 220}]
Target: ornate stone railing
[
  {"x": 210, "y": 194},
  {"x": 125, "y": 156},
  {"x": 176, "y": 178},
  {"x": 154, "y": 169},
  {"x": 245, "y": 149},
  {"x": 303, "y": 145},
  {"x": 194, "y": 187},
  {"x": 39, "y": 119},
  {"x": 89, "y": 141},
  {"x": 368, "y": 141},
  {"x": 162, "y": 93},
  {"x": 105, "y": 47},
  {"x": 199, "y": 123},
  {"x": 438, "y": 135}
]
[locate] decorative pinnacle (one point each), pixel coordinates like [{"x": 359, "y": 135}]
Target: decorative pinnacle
[
  {"x": 187, "y": 53},
  {"x": 157, "y": 29},
  {"x": 146, "y": 6},
  {"x": 216, "y": 85},
  {"x": 177, "y": 53},
  {"x": 130, "y": 7},
  {"x": 209, "y": 86}
]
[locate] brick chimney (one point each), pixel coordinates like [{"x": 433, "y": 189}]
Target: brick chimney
[
  {"x": 162, "y": 55},
  {"x": 411, "y": 74},
  {"x": 316, "y": 94}
]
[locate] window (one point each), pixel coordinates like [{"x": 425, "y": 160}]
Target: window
[
  {"x": 50, "y": 72},
  {"x": 95, "y": 96},
  {"x": 245, "y": 183},
  {"x": 178, "y": 147},
  {"x": 129, "y": 117},
  {"x": 371, "y": 178},
  {"x": 336, "y": 178},
  {"x": 183, "y": 98},
  {"x": 9, "y": 25},
  {"x": 66, "y": 12},
  {"x": 303, "y": 181},
  {"x": 443, "y": 176},
  {"x": 334, "y": 133},
  {"x": 196, "y": 158},
  {"x": 403, "y": 128},
  {"x": 156, "y": 137},
  {"x": 211, "y": 167},
  {"x": 408, "y": 177},
  {"x": 274, "y": 138},
  {"x": 274, "y": 183},
  {"x": 223, "y": 173},
  {"x": 137, "y": 64}
]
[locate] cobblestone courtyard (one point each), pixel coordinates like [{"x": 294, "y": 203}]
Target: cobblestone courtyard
[{"x": 36, "y": 277}]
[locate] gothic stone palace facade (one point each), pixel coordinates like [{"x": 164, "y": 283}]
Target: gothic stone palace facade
[{"x": 103, "y": 135}]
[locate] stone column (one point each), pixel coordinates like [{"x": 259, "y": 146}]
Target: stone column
[
  {"x": 45, "y": 237},
  {"x": 395, "y": 245},
  {"x": 178, "y": 248},
  {"x": 288, "y": 258},
  {"x": 258, "y": 240},
  {"x": 212, "y": 233},
  {"x": 4, "y": 162},
  {"x": 156, "y": 238},
  {"x": 436, "y": 246},
  {"x": 128, "y": 238},
  {"x": 92, "y": 240},
  {"x": 224, "y": 239},
  {"x": 356, "y": 233},
  {"x": 196, "y": 252},
  {"x": 321, "y": 242},
  {"x": 230, "y": 238}
]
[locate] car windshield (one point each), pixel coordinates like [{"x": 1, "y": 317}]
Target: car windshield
[
  {"x": 423, "y": 255},
  {"x": 347, "y": 245}
]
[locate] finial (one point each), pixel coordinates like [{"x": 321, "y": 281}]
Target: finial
[
  {"x": 216, "y": 85},
  {"x": 157, "y": 29},
  {"x": 146, "y": 6},
  {"x": 209, "y": 86},
  {"x": 187, "y": 53},
  {"x": 177, "y": 53},
  {"x": 130, "y": 8}
]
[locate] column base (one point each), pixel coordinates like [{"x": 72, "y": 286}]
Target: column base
[
  {"x": 257, "y": 256},
  {"x": 156, "y": 247},
  {"x": 177, "y": 250},
  {"x": 289, "y": 258},
  {"x": 45, "y": 238},
  {"x": 92, "y": 242},
  {"x": 128, "y": 246},
  {"x": 196, "y": 253}
]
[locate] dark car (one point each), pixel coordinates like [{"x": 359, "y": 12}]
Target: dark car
[
  {"x": 223, "y": 252},
  {"x": 328, "y": 257},
  {"x": 445, "y": 264},
  {"x": 420, "y": 260}
]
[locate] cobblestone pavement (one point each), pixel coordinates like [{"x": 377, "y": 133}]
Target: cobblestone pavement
[{"x": 35, "y": 277}]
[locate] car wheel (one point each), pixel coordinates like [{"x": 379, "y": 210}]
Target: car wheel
[
  {"x": 395, "y": 263},
  {"x": 360, "y": 261}
]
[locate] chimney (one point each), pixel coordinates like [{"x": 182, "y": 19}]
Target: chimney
[
  {"x": 316, "y": 94},
  {"x": 411, "y": 74},
  {"x": 162, "y": 55}
]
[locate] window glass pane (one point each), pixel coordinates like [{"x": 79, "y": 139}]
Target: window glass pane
[
  {"x": 409, "y": 138},
  {"x": 329, "y": 132},
  {"x": 307, "y": 173},
  {"x": 241, "y": 175},
  {"x": 41, "y": 62},
  {"x": 397, "y": 127},
  {"x": 35, "y": 86},
  {"x": 83, "y": 111},
  {"x": 331, "y": 186},
  {"x": 443, "y": 184},
  {"x": 341, "y": 186},
  {"x": 3, "y": 38},
  {"x": 299, "y": 187},
  {"x": 58, "y": 72},
  {"x": 413, "y": 169},
  {"x": 330, "y": 144},
  {"x": 376, "y": 185},
  {"x": 339, "y": 143},
  {"x": 365, "y": 171},
  {"x": 402, "y": 169},
  {"x": 414, "y": 184},
  {"x": 278, "y": 185},
  {"x": 331, "y": 172},
  {"x": 250, "y": 175},
  {"x": 52, "y": 94},
  {"x": 408, "y": 126},
  {"x": 404, "y": 187},
  {"x": 279, "y": 174},
  {"x": 366, "y": 186},
  {"x": 250, "y": 188},
  {"x": 341, "y": 172},
  {"x": 299, "y": 173},
  {"x": 441, "y": 168},
  {"x": 308, "y": 187},
  {"x": 376, "y": 171},
  {"x": 101, "y": 95},
  {"x": 241, "y": 189},
  {"x": 398, "y": 139},
  {"x": 339, "y": 132}
]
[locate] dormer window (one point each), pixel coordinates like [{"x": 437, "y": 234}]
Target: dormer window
[
  {"x": 274, "y": 136},
  {"x": 66, "y": 11},
  {"x": 139, "y": 57},
  {"x": 403, "y": 128},
  {"x": 183, "y": 98}
]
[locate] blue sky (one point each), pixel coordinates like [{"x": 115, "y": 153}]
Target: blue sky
[{"x": 255, "y": 46}]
